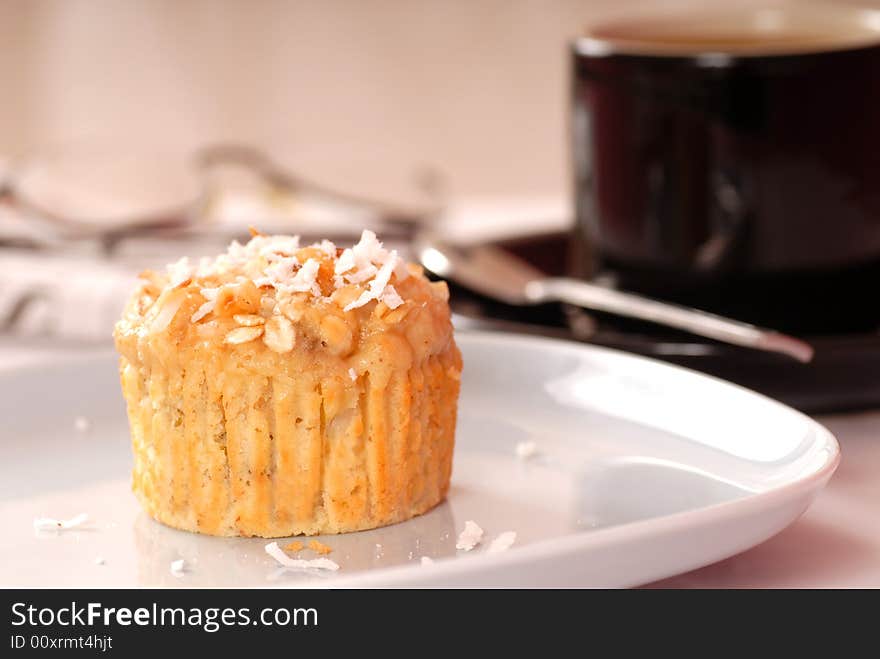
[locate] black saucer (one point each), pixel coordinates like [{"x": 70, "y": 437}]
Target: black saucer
[{"x": 844, "y": 375}]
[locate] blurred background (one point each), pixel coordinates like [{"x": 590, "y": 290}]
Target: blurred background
[
  {"x": 476, "y": 89},
  {"x": 133, "y": 132}
]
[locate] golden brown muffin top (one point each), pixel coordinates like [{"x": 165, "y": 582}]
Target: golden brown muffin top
[{"x": 277, "y": 292}]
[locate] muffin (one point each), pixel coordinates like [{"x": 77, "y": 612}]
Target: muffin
[{"x": 282, "y": 389}]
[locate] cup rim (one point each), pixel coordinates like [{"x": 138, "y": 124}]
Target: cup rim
[{"x": 863, "y": 23}]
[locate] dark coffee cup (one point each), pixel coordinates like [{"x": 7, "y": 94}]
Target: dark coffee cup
[{"x": 731, "y": 161}]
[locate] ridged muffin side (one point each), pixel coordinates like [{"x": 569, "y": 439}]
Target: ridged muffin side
[{"x": 351, "y": 428}]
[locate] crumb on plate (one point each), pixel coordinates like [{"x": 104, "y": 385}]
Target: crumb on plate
[
  {"x": 502, "y": 542},
  {"x": 316, "y": 563},
  {"x": 51, "y": 524},
  {"x": 319, "y": 547},
  {"x": 470, "y": 537}
]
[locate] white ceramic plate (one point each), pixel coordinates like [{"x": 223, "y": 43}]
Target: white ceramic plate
[{"x": 644, "y": 470}]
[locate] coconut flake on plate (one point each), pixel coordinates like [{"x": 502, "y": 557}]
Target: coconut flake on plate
[
  {"x": 178, "y": 567},
  {"x": 81, "y": 424},
  {"x": 51, "y": 524},
  {"x": 502, "y": 542},
  {"x": 470, "y": 537},
  {"x": 99, "y": 560},
  {"x": 526, "y": 450},
  {"x": 426, "y": 560},
  {"x": 315, "y": 563}
]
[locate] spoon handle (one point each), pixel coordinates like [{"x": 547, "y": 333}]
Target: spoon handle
[{"x": 599, "y": 298}]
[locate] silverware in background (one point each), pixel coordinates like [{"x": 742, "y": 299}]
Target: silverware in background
[
  {"x": 76, "y": 226},
  {"x": 501, "y": 276}
]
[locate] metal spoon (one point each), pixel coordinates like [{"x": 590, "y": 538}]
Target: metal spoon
[{"x": 501, "y": 276}]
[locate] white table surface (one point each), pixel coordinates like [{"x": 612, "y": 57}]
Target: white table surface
[{"x": 835, "y": 544}]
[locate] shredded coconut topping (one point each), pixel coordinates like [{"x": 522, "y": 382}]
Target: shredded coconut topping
[
  {"x": 306, "y": 279},
  {"x": 280, "y": 272},
  {"x": 327, "y": 247},
  {"x": 276, "y": 248},
  {"x": 503, "y": 542},
  {"x": 345, "y": 262},
  {"x": 210, "y": 294},
  {"x": 366, "y": 268},
  {"x": 470, "y": 537},
  {"x": 361, "y": 275},
  {"x": 316, "y": 563},
  {"x": 391, "y": 297},
  {"x": 203, "y": 311},
  {"x": 180, "y": 272},
  {"x": 50, "y": 524},
  {"x": 272, "y": 261},
  {"x": 427, "y": 560},
  {"x": 378, "y": 285}
]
